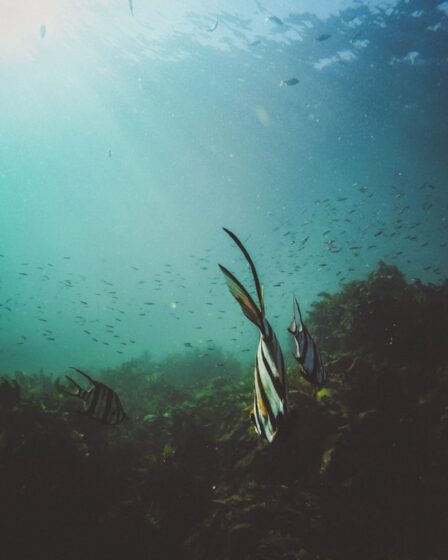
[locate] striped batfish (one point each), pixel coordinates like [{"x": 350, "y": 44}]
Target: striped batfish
[
  {"x": 101, "y": 403},
  {"x": 307, "y": 353},
  {"x": 270, "y": 404}
]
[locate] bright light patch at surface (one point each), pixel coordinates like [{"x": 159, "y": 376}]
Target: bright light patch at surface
[
  {"x": 444, "y": 7},
  {"x": 26, "y": 26},
  {"x": 128, "y": 137}
]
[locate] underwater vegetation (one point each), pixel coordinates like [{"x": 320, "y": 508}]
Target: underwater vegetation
[
  {"x": 361, "y": 469},
  {"x": 403, "y": 322}
]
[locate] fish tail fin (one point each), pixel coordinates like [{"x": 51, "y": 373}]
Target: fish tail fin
[
  {"x": 252, "y": 268},
  {"x": 242, "y": 296}
]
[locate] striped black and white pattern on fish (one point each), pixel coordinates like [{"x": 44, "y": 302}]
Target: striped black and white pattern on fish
[
  {"x": 270, "y": 386},
  {"x": 270, "y": 404},
  {"x": 101, "y": 402},
  {"x": 307, "y": 353}
]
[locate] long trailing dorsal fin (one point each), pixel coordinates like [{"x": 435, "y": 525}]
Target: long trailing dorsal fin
[
  {"x": 252, "y": 267},
  {"x": 84, "y": 374},
  {"x": 296, "y": 326},
  {"x": 296, "y": 306},
  {"x": 77, "y": 387}
]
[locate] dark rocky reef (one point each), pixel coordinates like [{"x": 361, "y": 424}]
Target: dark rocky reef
[{"x": 361, "y": 470}]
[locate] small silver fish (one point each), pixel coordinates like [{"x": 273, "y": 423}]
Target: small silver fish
[
  {"x": 213, "y": 27},
  {"x": 290, "y": 82},
  {"x": 274, "y": 19}
]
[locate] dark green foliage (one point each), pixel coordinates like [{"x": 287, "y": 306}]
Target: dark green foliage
[
  {"x": 9, "y": 393},
  {"x": 386, "y": 317},
  {"x": 360, "y": 470}
]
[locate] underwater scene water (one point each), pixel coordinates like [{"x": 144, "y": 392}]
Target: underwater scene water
[{"x": 146, "y": 414}]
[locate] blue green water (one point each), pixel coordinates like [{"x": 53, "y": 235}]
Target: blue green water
[{"x": 128, "y": 141}]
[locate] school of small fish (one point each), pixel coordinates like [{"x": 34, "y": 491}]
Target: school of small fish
[
  {"x": 103, "y": 404},
  {"x": 320, "y": 251},
  {"x": 330, "y": 250}
]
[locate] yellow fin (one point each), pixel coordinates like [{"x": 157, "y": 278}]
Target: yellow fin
[{"x": 243, "y": 297}]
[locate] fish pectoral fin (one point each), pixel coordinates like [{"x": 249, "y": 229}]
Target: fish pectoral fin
[{"x": 243, "y": 297}]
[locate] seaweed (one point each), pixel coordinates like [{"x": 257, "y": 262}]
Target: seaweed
[
  {"x": 386, "y": 318},
  {"x": 361, "y": 469}
]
